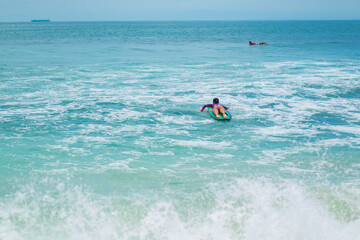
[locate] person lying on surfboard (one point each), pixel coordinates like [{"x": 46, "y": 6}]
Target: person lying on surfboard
[
  {"x": 252, "y": 43},
  {"x": 216, "y": 108}
]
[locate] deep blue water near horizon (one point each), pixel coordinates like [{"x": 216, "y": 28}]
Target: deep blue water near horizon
[{"x": 101, "y": 134}]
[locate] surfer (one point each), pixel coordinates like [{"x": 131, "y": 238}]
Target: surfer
[
  {"x": 252, "y": 43},
  {"x": 216, "y": 108}
]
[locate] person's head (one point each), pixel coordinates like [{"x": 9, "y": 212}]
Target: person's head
[{"x": 215, "y": 100}]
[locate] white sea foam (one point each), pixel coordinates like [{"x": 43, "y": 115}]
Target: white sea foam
[
  {"x": 204, "y": 144},
  {"x": 122, "y": 165},
  {"x": 246, "y": 209}
]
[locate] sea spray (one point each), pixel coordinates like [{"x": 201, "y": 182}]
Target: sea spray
[{"x": 240, "y": 208}]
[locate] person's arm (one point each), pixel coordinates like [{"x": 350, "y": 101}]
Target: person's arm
[{"x": 205, "y": 106}]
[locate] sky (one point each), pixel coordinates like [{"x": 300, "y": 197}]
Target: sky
[{"x": 140, "y": 10}]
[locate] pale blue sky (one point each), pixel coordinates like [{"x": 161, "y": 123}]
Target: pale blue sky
[{"x": 118, "y": 10}]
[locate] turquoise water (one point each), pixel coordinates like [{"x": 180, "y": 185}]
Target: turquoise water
[{"x": 101, "y": 134}]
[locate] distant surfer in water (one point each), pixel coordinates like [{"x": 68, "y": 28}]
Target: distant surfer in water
[
  {"x": 216, "y": 108},
  {"x": 252, "y": 43}
]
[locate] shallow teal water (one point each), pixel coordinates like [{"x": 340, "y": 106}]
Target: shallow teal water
[{"x": 101, "y": 134}]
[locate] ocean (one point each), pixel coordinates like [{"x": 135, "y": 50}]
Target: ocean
[{"x": 101, "y": 134}]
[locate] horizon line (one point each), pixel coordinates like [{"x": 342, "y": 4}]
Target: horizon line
[{"x": 187, "y": 20}]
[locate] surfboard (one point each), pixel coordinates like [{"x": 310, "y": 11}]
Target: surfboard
[{"x": 221, "y": 116}]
